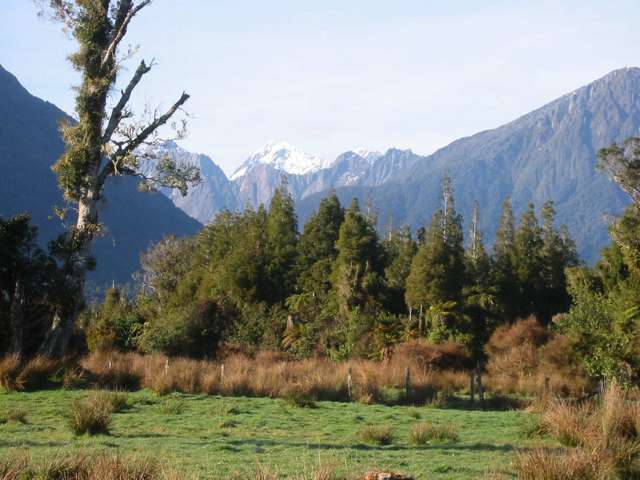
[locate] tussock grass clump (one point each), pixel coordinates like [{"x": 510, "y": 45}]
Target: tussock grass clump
[
  {"x": 172, "y": 406},
  {"x": 423, "y": 432},
  {"x": 379, "y": 435},
  {"x": 549, "y": 464},
  {"x": 318, "y": 472},
  {"x": 83, "y": 467},
  {"x": 297, "y": 397},
  {"x": 9, "y": 370},
  {"x": 91, "y": 415},
  {"x": 533, "y": 428},
  {"x": 36, "y": 373},
  {"x": 569, "y": 423},
  {"x": 604, "y": 437},
  {"x": 228, "y": 424},
  {"x": 119, "y": 400},
  {"x": 16, "y": 415}
]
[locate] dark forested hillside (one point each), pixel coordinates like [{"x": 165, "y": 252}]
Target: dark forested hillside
[
  {"x": 548, "y": 154},
  {"x": 30, "y": 143}
]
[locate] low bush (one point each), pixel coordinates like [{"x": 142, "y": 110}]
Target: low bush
[
  {"x": 91, "y": 415},
  {"x": 380, "y": 435},
  {"x": 423, "y": 432}
]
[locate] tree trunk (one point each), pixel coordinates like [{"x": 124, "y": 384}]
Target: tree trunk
[
  {"x": 17, "y": 319},
  {"x": 57, "y": 338}
]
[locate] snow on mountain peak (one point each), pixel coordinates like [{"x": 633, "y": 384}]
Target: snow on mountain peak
[
  {"x": 371, "y": 155},
  {"x": 282, "y": 156}
]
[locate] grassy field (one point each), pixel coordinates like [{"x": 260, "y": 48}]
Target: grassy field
[{"x": 215, "y": 437}]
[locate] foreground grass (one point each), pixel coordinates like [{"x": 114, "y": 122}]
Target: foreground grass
[{"x": 215, "y": 437}]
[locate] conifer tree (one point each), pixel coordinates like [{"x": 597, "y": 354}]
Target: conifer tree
[
  {"x": 529, "y": 261},
  {"x": 400, "y": 249},
  {"x": 437, "y": 272},
  {"x": 282, "y": 239},
  {"x": 558, "y": 254},
  {"x": 504, "y": 256},
  {"x": 479, "y": 295},
  {"x": 357, "y": 269},
  {"x": 317, "y": 247}
]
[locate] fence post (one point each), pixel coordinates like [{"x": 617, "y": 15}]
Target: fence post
[
  {"x": 472, "y": 386},
  {"x": 480, "y": 386},
  {"x": 547, "y": 388},
  {"x": 349, "y": 383},
  {"x": 407, "y": 383},
  {"x": 221, "y": 372},
  {"x": 166, "y": 366},
  {"x": 601, "y": 388}
]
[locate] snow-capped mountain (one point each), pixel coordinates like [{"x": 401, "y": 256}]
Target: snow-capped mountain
[
  {"x": 370, "y": 155},
  {"x": 283, "y": 157},
  {"x": 212, "y": 194}
]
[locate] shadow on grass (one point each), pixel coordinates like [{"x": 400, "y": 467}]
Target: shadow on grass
[{"x": 474, "y": 447}]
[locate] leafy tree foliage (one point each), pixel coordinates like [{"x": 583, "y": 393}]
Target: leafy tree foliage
[{"x": 34, "y": 286}]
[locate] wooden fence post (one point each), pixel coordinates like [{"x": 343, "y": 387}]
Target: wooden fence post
[
  {"x": 547, "y": 388},
  {"x": 472, "y": 386},
  {"x": 480, "y": 386},
  {"x": 407, "y": 383},
  {"x": 221, "y": 372},
  {"x": 349, "y": 383}
]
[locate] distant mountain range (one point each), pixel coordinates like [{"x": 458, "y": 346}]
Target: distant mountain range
[
  {"x": 548, "y": 154},
  {"x": 30, "y": 144}
]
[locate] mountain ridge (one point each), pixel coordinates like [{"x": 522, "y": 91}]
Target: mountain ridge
[{"x": 30, "y": 144}]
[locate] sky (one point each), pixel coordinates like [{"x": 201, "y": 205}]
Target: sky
[{"x": 335, "y": 75}]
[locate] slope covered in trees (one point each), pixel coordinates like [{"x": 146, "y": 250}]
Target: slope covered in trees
[
  {"x": 338, "y": 288},
  {"x": 30, "y": 144}
]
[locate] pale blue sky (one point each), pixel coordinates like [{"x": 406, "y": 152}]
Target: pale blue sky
[{"x": 333, "y": 75}]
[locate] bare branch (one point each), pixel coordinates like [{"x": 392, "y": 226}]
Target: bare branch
[
  {"x": 123, "y": 152},
  {"x": 117, "y": 113},
  {"x": 121, "y": 31}
]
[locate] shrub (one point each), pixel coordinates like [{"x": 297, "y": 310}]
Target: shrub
[
  {"x": 432, "y": 356},
  {"x": 505, "y": 337},
  {"x": 91, "y": 415},
  {"x": 380, "y": 435},
  {"x": 423, "y": 432}
]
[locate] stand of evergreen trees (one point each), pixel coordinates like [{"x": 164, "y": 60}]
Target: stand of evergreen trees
[{"x": 338, "y": 288}]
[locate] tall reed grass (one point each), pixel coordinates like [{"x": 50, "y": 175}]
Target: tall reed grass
[{"x": 274, "y": 377}]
